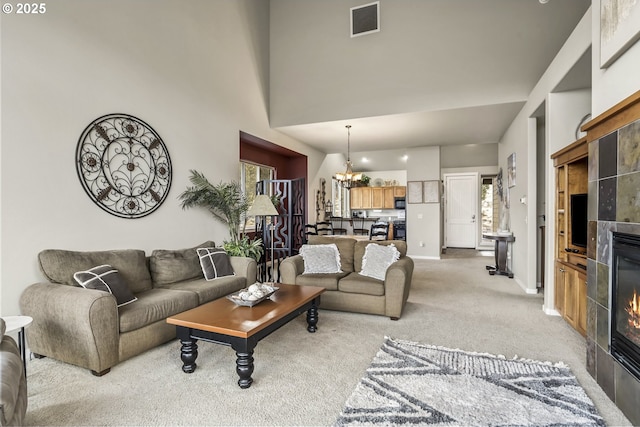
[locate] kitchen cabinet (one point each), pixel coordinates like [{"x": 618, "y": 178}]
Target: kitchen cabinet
[{"x": 375, "y": 197}]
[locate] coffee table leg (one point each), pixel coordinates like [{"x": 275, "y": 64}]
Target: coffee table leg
[
  {"x": 244, "y": 368},
  {"x": 188, "y": 354},
  {"x": 312, "y": 318}
]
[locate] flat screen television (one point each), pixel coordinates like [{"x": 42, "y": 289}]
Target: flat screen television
[{"x": 579, "y": 220}]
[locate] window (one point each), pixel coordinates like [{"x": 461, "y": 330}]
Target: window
[
  {"x": 250, "y": 175},
  {"x": 339, "y": 200}
]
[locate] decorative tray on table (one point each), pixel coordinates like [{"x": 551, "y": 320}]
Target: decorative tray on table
[{"x": 254, "y": 294}]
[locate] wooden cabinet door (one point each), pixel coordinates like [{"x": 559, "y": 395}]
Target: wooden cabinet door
[
  {"x": 366, "y": 197},
  {"x": 559, "y": 287},
  {"x": 377, "y": 197},
  {"x": 389, "y": 198},
  {"x": 355, "y": 198},
  {"x": 400, "y": 191}
]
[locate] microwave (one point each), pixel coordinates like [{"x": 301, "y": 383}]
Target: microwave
[{"x": 399, "y": 203}]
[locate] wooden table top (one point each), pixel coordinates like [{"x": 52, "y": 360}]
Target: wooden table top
[{"x": 225, "y": 317}]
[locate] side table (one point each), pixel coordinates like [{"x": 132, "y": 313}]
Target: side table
[
  {"x": 18, "y": 323},
  {"x": 502, "y": 240}
]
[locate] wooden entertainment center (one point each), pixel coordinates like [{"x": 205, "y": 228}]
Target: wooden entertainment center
[{"x": 570, "y": 270}]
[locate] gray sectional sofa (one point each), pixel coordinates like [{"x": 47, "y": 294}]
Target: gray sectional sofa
[
  {"x": 85, "y": 327},
  {"x": 349, "y": 290}
]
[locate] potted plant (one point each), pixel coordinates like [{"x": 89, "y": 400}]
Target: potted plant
[
  {"x": 226, "y": 202},
  {"x": 365, "y": 180}
]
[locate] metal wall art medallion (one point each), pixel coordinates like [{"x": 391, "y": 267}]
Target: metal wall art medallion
[{"x": 123, "y": 165}]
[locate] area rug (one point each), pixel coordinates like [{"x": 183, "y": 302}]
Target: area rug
[{"x": 418, "y": 384}]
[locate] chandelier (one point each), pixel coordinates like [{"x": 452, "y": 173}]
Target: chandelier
[{"x": 348, "y": 178}]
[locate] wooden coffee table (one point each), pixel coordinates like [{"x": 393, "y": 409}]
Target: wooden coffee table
[{"x": 223, "y": 322}]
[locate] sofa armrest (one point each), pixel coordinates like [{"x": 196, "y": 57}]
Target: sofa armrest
[
  {"x": 245, "y": 267},
  {"x": 397, "y": 284},
  {"x": 13, "y": 387},
  {"x": 290, "y": 268},
  {"x": 72, "y": 324}
]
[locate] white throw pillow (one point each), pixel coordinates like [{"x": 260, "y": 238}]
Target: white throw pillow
[
  {"x": 320, "y": 258},
  {"x": 377, "y": 258}
]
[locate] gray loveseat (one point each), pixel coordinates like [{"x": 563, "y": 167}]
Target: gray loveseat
[
  {"x": 85, "y": 327},
  {"x": 349, "y": 290},
  {"x": 13, "y": 383}
]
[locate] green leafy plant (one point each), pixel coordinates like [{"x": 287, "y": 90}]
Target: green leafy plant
[
  {"x": 226, "y": 202},
  {"x": 245, "y": 247},
  {"x": 365, "y": 179}
]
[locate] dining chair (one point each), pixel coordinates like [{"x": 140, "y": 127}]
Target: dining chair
[
  {"x": 324, "y": 228},
  {"x": 309, "y": 230},
  {"x": 379, "y": 231},
  {"x": 337, "y": 224}
]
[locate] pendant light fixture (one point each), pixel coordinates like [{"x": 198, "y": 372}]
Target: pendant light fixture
[{"x": 348, "y": 178}]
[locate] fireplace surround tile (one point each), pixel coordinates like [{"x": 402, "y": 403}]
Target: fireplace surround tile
[
  {"x": 629, "y": 148},
  {"x": 627, "y": 394},
  {"x": 592, "y": 202},
  {"x": 628, "y": 200},
  {"x": 605, "y": 373},
  {"x": 592, "y": 239},
  {"x": 592, "y": 279},
  {"x": 593, "y": 161},
  {"x": 608, "y": 156},
  {"x": 607, "y": 199},
  {"x": 602, "y": 327},
  {"x": 592, "y": 308},
  {"x": 602, "y": 285},
  {"x": 605, "y": 228},
  {"x": 591, "y": 357}
]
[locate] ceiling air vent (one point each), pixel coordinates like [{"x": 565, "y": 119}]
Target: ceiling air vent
[{"x": 365, "y": 19}]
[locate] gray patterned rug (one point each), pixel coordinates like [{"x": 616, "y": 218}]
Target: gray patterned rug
[{"x": 412, "y": 383}]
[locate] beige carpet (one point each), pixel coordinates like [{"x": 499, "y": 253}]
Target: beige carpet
[{"x": 305, "y": 379}]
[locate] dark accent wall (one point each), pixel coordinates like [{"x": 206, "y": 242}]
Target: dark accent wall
[
  {"x": 614, "y": 205},
  {"x": 288, "y": 163}
]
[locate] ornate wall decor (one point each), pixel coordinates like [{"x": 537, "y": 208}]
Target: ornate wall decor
[{"x": 123, "y": 165}]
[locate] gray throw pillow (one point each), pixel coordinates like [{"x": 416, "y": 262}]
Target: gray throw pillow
[
  {"x": 106, "y": 278},
  {"x": 215, "y": 263}
]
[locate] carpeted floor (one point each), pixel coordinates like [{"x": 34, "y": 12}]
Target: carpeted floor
[
  {"x": 305, "y": 379},
  {"x": 416, "y": 384}
]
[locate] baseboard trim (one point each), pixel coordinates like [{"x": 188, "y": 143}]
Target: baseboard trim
[
  {"x": 528, "y": 291},
  {"x": 550, "y": 311},
  {"x": 422, "y": 257}
]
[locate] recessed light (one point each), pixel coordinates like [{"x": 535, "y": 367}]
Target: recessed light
[
  {"x": 365, "y": 160},
  {"x": 405, "y": 157}
]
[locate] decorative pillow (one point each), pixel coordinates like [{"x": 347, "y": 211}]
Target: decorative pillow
[
  {"x": 320, "y": 258},
  {"x": 215, "y": 263},
  {"x": 106, "y": 278},
  {"x": 173, "y": 266},
  {"x": 377, "y": 258}
]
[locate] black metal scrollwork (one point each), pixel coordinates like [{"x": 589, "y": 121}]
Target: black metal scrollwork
[{"x": 123, "y": 165}]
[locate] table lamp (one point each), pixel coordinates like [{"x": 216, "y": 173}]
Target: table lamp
[{"x": 263, "y": 206}]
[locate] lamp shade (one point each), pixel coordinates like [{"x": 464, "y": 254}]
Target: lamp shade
[{"x": 262, "y": 205}]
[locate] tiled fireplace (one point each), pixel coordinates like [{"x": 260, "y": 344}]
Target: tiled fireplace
[{"x": 614, "y": 209}]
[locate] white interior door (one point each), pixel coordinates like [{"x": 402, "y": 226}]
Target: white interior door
[{"x": 461, "y": 210}]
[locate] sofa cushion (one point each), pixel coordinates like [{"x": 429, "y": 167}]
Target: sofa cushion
[
  {"x": 172, "y": 266},
  {"x": 60, "y": 265},
  {"x": 210, "y": 290},
  {"x": 107, "y": 279},
  {"x": 154, "y": 305},
  {"x": 358, "y": 284},
  {"x": 377, "y": 258},
  {"x": 361, "y": 246},
  {"x": 215, "y": 263},
  {"x": 320, "y": 258},
  {"x": 328, "y": 281},
  {"x": 345, "y": 247}
]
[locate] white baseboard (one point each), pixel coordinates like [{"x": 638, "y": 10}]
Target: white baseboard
[
  {"x": 524, "y": 287},
  {"x": 550, "y": 311},
  {"x": 422, "y": 257}
]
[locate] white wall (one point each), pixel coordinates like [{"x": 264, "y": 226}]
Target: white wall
[
  {"x": 521, "y": 138},
  {"x": 424, "y": 219},
  {"x": 196, "y": 71},
  {"x": 621, "y": 79}
]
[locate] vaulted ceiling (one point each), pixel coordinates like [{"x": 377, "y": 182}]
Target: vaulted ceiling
[{"x": 439, "y": 72}]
